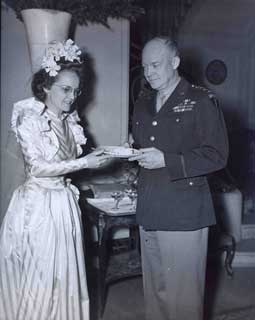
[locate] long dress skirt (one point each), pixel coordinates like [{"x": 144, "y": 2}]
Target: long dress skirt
[{"x": 42, "y": 267}]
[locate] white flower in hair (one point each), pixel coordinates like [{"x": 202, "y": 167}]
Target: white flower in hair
[
  {"x": 72, "y": 51},
  {"x": 57, "y": 50},
  {"x": 50, "y": 65}
]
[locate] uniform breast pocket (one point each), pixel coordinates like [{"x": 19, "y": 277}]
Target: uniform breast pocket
[
  {"x": 180, "y": 126},
  {"x": 189, "y": 183},
  {"x": 183, "y": 119},
  {"x": 136, "y": 126},
  {"x": 139, "y": 132}
]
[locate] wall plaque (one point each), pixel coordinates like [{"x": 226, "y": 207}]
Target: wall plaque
[{"x": 216, "y": 72}]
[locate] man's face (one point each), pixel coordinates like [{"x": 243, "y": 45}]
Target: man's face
[{"x": 158, "y": 64}]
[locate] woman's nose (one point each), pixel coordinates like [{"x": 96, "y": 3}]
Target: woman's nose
[{"x": 73, "y": 95}]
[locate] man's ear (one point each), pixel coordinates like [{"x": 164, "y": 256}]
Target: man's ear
[{"x": 175, "y": 62}]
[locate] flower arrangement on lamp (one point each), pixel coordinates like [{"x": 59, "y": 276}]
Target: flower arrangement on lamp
[
  {"x": 83, "y": 11},
  {"x": 57, "y": 50}
]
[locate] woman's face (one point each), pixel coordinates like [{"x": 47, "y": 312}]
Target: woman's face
[{"x": 63, "y": 92}]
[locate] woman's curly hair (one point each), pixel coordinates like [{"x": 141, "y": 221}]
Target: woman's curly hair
[{"x": 42, "y": 80}]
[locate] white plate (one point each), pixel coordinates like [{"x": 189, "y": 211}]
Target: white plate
[{"x": 120, "y": 152}]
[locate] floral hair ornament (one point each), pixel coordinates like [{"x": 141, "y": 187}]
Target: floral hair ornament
[{"x": 57, "y": 50}]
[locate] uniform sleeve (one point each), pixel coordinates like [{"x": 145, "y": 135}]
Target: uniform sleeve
[
  {"x": 210, "y": 154},
  {"x": 29, "y": 138}
]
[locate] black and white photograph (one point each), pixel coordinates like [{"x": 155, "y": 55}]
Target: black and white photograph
[{"x": 127, "y": 160}]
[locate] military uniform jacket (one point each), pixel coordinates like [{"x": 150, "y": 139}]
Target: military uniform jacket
[{"x": 190, "y": 131}]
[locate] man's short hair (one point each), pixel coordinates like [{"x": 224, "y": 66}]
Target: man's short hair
[{"x": 170, "y": 44}]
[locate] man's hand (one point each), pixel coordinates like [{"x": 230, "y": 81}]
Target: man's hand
[{"x": 149, "y": 158}]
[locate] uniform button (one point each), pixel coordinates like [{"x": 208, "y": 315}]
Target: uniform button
[
  {"x": 137, "y": 122},
  {"x": 191, "y": 183},
  {"x": 177, "y": 120},
  {"x": 152, "y": 138},
  {"x": 154, "y": 123}
]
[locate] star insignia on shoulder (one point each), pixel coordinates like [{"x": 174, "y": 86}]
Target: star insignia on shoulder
[{"x": 210, "y": 94}]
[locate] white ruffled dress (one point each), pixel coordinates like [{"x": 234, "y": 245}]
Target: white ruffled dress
[{"x": 42, "y": 267}]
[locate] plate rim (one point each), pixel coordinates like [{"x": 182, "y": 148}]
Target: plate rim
[{"x": 111, "y": 153}]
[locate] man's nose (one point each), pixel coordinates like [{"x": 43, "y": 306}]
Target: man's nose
[{"x": 148, "y": 71}]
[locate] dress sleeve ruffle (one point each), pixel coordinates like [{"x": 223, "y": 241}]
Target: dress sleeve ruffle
[
  {"x": 27, "y": 123},
  {"x": 77, "y": 130}
]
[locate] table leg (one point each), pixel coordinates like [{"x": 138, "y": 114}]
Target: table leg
[{"x": 102, "y": 263}]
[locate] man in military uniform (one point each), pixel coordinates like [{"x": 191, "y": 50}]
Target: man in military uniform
[{"x": 182, "y": 137}]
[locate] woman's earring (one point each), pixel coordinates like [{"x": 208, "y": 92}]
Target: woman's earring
[{"x": 46, "y": 90}]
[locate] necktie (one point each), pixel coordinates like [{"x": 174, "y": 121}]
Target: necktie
[{"x": 160, "y": 101}]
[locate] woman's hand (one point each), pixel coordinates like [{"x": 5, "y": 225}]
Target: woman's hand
[{"x": 97, "y": 159}]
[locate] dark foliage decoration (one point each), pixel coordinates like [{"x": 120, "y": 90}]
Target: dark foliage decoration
[{"x": 83, "y": 11}]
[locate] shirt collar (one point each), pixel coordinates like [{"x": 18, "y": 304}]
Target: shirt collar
[
  {"x": 168, "y": 92},
  {"x": 53, "y": 115}
]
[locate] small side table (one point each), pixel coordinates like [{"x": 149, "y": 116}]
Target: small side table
[{"x": 111, "y": 267}]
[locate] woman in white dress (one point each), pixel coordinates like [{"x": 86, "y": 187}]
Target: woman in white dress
[{"x": 42, "y": 268}]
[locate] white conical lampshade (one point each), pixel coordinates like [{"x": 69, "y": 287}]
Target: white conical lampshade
[{"x": 44, "y": 26}]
